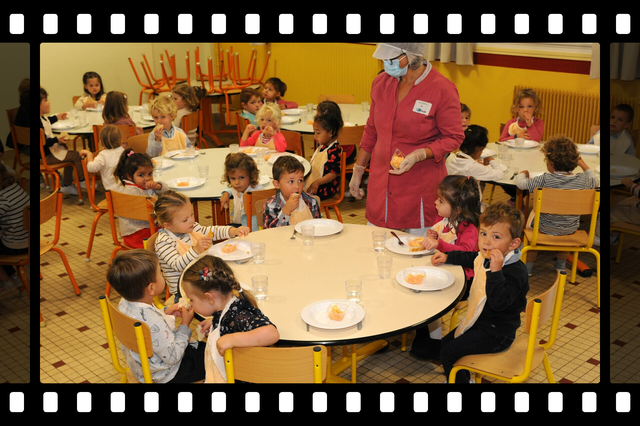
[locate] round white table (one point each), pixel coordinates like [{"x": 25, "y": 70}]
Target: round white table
[
  {"x": 627, "y": 161},
  {"x": 352, "y": 115},
  {"x": 94, "y": 117}
]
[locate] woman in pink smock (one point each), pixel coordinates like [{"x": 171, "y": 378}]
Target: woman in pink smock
[{"x": 416, "y": 110}]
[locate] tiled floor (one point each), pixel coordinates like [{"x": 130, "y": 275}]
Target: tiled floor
[{"x": 73, "y": 346}]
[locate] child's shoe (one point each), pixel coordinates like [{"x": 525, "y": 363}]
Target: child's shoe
[
  {"x": 530, "y": 269},
  {"x": 560, "y": 265},
  {"x": 70, "y": 190}
]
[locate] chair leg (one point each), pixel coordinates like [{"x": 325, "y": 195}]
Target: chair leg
[
  {"x": 92, "y": 235},
  {"x": 619, "y": 251},
  {"x": 68, "y": 268},
  {"x": 547, "y": 368},
  {"x": 574, "y": 267}
]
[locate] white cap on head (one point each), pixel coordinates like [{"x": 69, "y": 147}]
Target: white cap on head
[{"x": 393, "y": 50}]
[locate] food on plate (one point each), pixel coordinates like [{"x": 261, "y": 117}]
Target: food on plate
[
  {"x": 182, "y": 183},
  {"x": 310, "y": 122},
  {"x": 247, "y": 150},
  {"x": 229, "y": 248},
  {"x": 184, "y": 302},
  {"x": 415, "y": 244},
  {"x": 335, "y": 313},
  {"x": 397, "y": 159},
  {"x": 414, "y": 278},
  {"x": 266, "y": 157}
]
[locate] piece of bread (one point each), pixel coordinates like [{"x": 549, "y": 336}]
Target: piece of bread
[
  {"x": 514, "y": 128},
  {"x": 184, "y": 302}
]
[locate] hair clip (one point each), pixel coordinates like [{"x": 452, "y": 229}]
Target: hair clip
[
  {"x": 130, "y": 153},
  {"x": 205, "y": 274}
]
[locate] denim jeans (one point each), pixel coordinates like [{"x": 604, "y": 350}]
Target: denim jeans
[{"x": 473, "y": 341}]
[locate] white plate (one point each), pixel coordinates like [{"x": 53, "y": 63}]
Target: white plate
[
  {"x": 94, "y": 109},
  {"x": 64, "y": 125},
  {"x": 264, "y": 180},
  {"x": 274, "y": 156},
  {"x": 193, "y": 182},
  {"x": 435, "y": 278},
  {"x": 288, "y": 119},
  {"x": 243, "y": 250},
  {"x": 527, "y": 144},
  {"x": 622, "y": 171},
  {"x": 487, "y": 153},
  {"x": 323, "y": 227},
  {"x": 588, "y": 149},
  {"x": 181, "y": 154},
  {"x": 315, "y": 314},
  {"x": 292, "y": 111},
  {"x": 392, "y": 245},
  {"x": 166, "y": 163}
]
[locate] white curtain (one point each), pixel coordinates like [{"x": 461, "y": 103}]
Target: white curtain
[
  {"x": 625, "y": 61},
  {"x": 460, "y": 53}
]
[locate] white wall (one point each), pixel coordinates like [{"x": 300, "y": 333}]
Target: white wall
[{"x": 11, "y": 74}]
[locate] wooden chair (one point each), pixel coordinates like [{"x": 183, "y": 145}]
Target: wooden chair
[
  {"x": 303, "y": 364},
  {"x": 126, "y": 130},
  {"x": 52, "y": 169},
  {"x": 137, "y": 207},
  {"x": 339, "y": 99},
  {"x": 623, "y": 228},
  {"x": 20, "y": 136},
  {"x": 515, "y": 364},
  {"x": 100, "y": 208},
  {"x": 350, "y": 136},
  {"x": 20, "y": 260},
  {"x": 565, "y": 202},
  {"x": 294, "y": 142},
  {"x": 254, "y": 205},
  {"x": 139, "y": 143},
  {"x": 50, "y": 207},
  {"x": 337, "y": 198},
  {"x": 241, "y": 124},
  {"x": 132, "y": 334},
  {"x": 192, "y": 122}
]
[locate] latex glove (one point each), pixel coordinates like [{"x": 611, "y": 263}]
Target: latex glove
[
  {"x": 408, "y": 162},
  {"x": 354, "y": 184}
]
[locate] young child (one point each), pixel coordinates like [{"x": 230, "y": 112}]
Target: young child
[
  {"x": 627, "y": 210},
  {"x": 108, "y": 158},
  {"x": 13, "y": 237},
  {"x": 268, "y": 136},
  {"x": 237, "y": 322},
  {"x": 498, "y": 293},
  {"x": 165, "y": 136},
  {"x": 284, "y": 208},
  {"x": 620, "y": 140},
  {"x": 241, "y": 174},
  {"x": 466, "y": 115},
  {"x": 181, "y": 238},
  {"x": 116, "y": 111},
  {"x": 466, "y": 161},
  {"x": 137, "y": 276},
  {"x": 562, "y": 157},
  {"x": 324, "y": 179},
  {"x": 525, "y": 123},
  {"x": 330, "y": 107},
  {"x": 55, "y": 149},
  {"x": 135, "y": 174},
  {"x": 251, "y": 103},
  {"x": 458, "y": 204},
  {"x": 187, "y": 99},
  {"x": 274, "y": 90},
  {"x": 94, "y": 94}
]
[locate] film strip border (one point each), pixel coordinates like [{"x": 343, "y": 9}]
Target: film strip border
[{"x": 316, "y": 26}]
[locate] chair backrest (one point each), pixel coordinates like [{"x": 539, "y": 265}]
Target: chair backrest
[
  {"x": 254, "y": 205},
  {"x": 566, "y": 201},
  {"x": 137, "y": 207},
  {"x": 339, "y": 99},
  {"x": 193, "y": 121},
  {"x": 11, "y": 115},
  {"x": 21, "y": 135},
  {"x": 241, "y": 124},
  {"x": 126, "y": 130},
  {"x": 294, "y": 141},
  {"x": 350, "y": 135},
  {"x": 139, "y": 143},
  {"x": 150, "y": 244},
  {"x": 305, "y": 364},
  {"x": 90, "y": 179},
  {"x": 49, "y": 207},
  {"x": 550, "y": 307}
]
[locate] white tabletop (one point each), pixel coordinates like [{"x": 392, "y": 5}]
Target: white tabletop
[
  {"x": 214, "y": 158},
  {"x": 94, "y": 117},
  {"x": 300, "y": 275},
  {"x": 532, "y": 159},
  {"x": 624, "y": 160},
  {"x": 352, "y": 115}
]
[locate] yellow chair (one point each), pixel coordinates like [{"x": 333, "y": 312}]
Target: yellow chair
[
  {"x": 137, "y": 207},
  {"x": 254, "y": 205},
  {"x": 132, "y": 334},
  {"x": 515, "y": 364},
  {"x": 565, "y": 202},
  {"x": 623, "y": 228},
  {"x": 338, "y": 197},
  {"x": 304, "y": 364}
]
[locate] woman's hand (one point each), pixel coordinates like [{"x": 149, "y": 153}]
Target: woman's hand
[
  {"x": 354, "y": 184},
  {"x": 419, "y": 154}
]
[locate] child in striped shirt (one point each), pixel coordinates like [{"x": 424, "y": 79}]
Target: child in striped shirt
[
  {"x": 561, "y": 157},
  {"x": 181, "y": 238},
  {"x": 14, "y": 239}
]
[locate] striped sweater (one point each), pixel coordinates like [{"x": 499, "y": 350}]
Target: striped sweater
[{"x": 12, "y": 201}]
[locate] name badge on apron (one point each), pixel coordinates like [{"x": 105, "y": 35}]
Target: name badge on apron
[{"x": 422, "y": 107}]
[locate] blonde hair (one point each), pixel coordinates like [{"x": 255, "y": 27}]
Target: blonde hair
[
  {"x": 164, "y": 104},
  {"x": 110, "y": 136},
  {"x": 166, "y": 205},
  {"x": 270, "y": 109},
  {"x": 526, "y": 93}
]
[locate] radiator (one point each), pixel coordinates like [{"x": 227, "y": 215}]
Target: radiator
[
  {"x": 565, "y": 112},
  {"x": 633, "y": 103}
]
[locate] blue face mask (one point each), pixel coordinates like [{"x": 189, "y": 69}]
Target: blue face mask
[{"x": 392, "y": 67}]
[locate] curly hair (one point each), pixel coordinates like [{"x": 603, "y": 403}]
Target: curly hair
[
  {"x": 562, "y": 152},
  {"x": 526, "y": 93},
  {"x": 222, "y": 279},
  {"x": 164, "y": 104},
  {"x": 462, "y": 193},
  {"x": 270, "y": 109},
  {"x": 240, "y": 161}
]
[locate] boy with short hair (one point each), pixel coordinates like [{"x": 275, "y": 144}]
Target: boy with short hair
[
  {"x": 288, "y": 179},
  {"x": 498, "y": 292},
  {"x": 251, "y": 102},
  {"x": 620, "y": 120},
  {"x": 137, "y": 276},
  {"x": 165, "y": 136}
]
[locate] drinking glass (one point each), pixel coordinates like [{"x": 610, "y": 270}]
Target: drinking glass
[
  {"x": 203, "y": 170},
  {"x": 260, "y": 284},
  {"x": 519, "y": 143},
  {"x": 308, "y": 232},
  {"x": 258, "y": 249},
  {"x": 384, "y": 266},
  {"x": 234, "y": 147},
  {"x": 379, "y": 236},
  {"x": 353, "y": 287}
]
